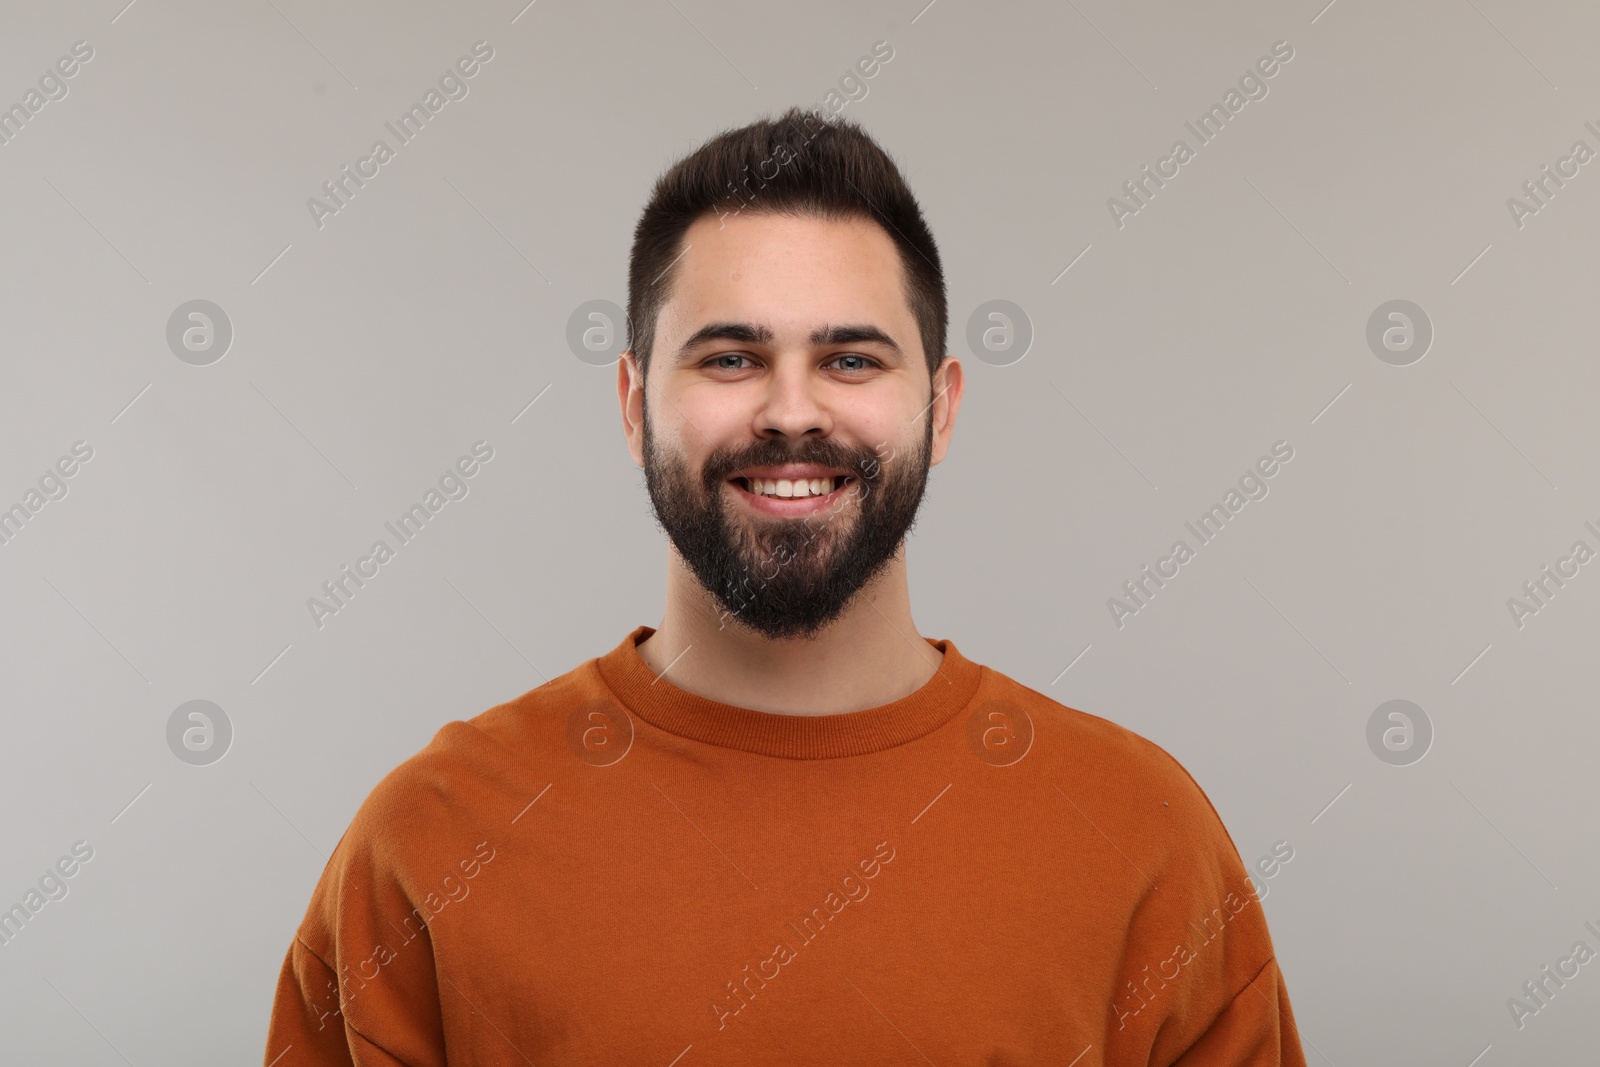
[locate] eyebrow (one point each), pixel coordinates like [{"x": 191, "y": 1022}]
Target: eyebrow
[
  {"x": 854, "y": 333},
  {"x": 756, "y": 334}
]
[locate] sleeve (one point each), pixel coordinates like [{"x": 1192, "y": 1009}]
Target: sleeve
[
  {"x": 1199, "y": 984},
  {"x": 386, "y": 1017},
  {"x": 359, "y": 985},
  {"x": 1256, "y": 1029},
  {"x": 307, "y": 1026}
]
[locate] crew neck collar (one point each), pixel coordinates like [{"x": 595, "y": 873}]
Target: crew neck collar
[{"x": 852, "y": 733}]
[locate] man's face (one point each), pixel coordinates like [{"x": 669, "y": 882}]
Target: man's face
[{"x": 787, "y": 357}]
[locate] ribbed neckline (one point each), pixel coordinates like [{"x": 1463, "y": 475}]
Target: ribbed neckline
[{"x": 851, "y": 733}]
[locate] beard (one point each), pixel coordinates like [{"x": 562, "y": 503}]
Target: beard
[{"x": 787, "y": 577}]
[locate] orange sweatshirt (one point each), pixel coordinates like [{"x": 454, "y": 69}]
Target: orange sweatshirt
[{"x": 611, "y": 870}]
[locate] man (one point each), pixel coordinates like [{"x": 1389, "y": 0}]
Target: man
[{"x": 783, "y": 826}]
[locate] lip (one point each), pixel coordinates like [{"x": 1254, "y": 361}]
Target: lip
[
  {"x": 791, "y": 471},
  {"x": 790, "y": 507}
]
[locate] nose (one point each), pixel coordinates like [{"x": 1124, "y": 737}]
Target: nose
[{"x": 792, "y": 403}]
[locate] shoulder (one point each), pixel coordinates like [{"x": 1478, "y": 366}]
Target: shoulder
[
  {"x": 469, "y": 782},
  {"x": 1088, "y": 744},
  {"x": 1113, "y": 775}
]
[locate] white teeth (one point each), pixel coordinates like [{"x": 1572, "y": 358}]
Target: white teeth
[{"x": 784, "y": 487}]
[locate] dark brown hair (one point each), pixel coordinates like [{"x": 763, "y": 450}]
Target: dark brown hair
[{"x": 801, "y": 164}]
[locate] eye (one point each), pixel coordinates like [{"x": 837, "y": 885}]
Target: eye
[
  {"x": 715, "y": 361},
  {"x": 861, "y": 362}
]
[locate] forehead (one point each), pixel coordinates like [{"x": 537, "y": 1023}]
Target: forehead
[{"x": 791, "y": 272}]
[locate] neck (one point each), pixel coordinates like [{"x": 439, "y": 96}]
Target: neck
[{"x": 869, "y": 656}]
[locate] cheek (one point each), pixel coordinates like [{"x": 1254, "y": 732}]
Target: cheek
[
  {"x": 895, "y": 433},
  {"x": 706, "y": 415},
  {"x": 669, "y": 428}
]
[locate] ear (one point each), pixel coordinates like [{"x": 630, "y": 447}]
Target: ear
[
  {"x": 630, "y": 395},
  {"x": 948, "y": 383}
]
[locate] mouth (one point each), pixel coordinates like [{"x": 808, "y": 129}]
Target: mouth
[{"x": 791, "y": 496}]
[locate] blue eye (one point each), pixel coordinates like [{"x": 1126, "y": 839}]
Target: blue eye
[{"x": 853, "y": 355}]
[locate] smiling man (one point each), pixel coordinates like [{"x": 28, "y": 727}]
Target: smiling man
[{"x": 784, "y": 826}]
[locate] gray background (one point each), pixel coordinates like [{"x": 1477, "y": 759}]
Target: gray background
[{"x": 1228, "y": 314}]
